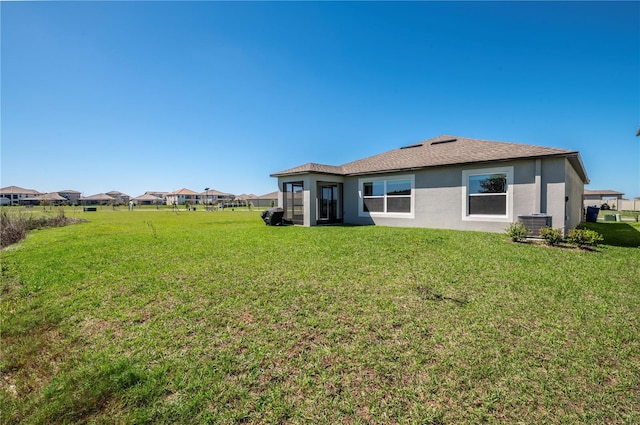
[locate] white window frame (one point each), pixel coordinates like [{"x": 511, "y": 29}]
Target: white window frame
[
  {"x": 385, "y": 179},
  {"x": 508, "y": 216}
]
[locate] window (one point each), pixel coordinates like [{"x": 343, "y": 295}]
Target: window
[
  {"x": 387, "y": 196},
  {"x": 487, "y": 194}
]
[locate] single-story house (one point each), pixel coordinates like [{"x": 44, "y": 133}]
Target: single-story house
[
  {"x": 147, "y": 199},
  {"x": 245, "y": 199},
  {"x": 44, "y": 199},
  {"x": 598, "y": 197},
  {"x": 98, "y": 199},
  {"x": 445, "y": 182},
  {"x": 267, "y": 200}
]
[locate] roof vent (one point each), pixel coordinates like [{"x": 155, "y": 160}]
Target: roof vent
[
  {"x": 439, "y": 142},
  {"x": 417, "y": 145}
]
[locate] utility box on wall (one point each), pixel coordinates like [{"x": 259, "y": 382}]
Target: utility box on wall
[{"x": 535, "y": 222}]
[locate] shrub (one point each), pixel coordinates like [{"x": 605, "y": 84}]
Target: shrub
[
  {"x": 551, "y": 236},
  {"x": 517, "y": 231},
  {"x": 14, "y": 227},
  {"x": 584, "y": 237}
]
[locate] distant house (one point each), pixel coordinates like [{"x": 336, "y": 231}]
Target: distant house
[
  {"x": 147, "y": 199},
  {"x": 267, "y": 200},
  {"x": 182, "y": 197},
  {"x": 98, "y": 199},
  {"x": 599, "y": 197},
  {"x": 445, "y": 182},
  {"x": 245, "y": 198},
  {"x": 213, "y": 196},
  {"x": 50, "y": 199},
  {"x": 120, "y": 198},
  {"x": 72, "y": 196},
  {"x": 161, "y": 195},
  {"x": 15, "y": 195}
]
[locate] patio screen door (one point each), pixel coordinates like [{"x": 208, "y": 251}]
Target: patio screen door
[{"x": 293, "y": 202}]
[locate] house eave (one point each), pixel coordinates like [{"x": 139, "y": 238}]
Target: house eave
[{"x": 302, "y": 173}]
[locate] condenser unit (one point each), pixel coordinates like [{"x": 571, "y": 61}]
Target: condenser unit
[{"x": 535, "y": 222}]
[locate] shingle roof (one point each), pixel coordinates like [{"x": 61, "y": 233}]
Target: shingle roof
[
  {"x": 272, "y": 195},
  {"x": 147, "y": 197},
  {"x": 246, "y": 196},
  {"x": 53, "y": 196},
  {"x": 311, "y": 167},
  {"x": 440, "y": 151},
  {"x": 183, "y": 191},
  {"x": 18, "y": 190},
  {"x": 602, "y": 192},
  {"x": 98, "y": 197},
  {"x": 216, "y": 193}
]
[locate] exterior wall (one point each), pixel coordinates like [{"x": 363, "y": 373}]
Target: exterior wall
[
  {"x": 574, "y": 190},
  {"x": 17, "y": 198},
  {"x": 553, "y": 183},
  {"x": 440, "y": 198}
]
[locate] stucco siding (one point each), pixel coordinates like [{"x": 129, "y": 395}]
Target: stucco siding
[
  {"x": 440, "y": 198},
  {"x": 574, "y": 189},
  {"x": 553, "y": 183}
]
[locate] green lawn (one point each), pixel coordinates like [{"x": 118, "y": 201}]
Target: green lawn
[{"x": 213, "y": 317}]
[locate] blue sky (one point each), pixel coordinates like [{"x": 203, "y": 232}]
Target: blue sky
[{"x": 138, "y": 96}]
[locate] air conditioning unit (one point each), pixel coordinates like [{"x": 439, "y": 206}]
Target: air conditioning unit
[{"x": 535, "y": 222}]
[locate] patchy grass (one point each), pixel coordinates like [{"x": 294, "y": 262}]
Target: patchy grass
[{"x": 198, "y": 317}]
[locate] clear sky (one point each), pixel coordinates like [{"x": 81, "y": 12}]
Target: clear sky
[{"x": 138, "y": 96}]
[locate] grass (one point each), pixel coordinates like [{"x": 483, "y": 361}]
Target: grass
[{"x": 213, "y": 317}]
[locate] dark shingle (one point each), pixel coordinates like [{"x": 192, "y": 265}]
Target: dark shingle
[{"x": 439, "y": 151}]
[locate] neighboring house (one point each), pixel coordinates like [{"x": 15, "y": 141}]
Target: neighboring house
[
  {"x": 182, "y": 197},
  {"x": 245, "y": 199},
  {"x": 445, "y": 182},
  {"x": 267, "y": 200},
  {"x": 147, "y": 199},
  {"x": 213, "y": 196},
  {"x": 98, "y": 199},
  {"x": 44, "y": 199},
  {"x": 161, "y": 195},
  {"x": 598, "y": 197},
  {"x": 120, "y": 198},
  {"x": 72, "y": 196},
  {"x": 14, "y": 195}
]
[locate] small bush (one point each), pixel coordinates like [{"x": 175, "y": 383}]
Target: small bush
[
  {"x": 584, "y": 237},
  {"x": 517, "y": 231},
  {"x": 12, "y": 229},
  {"x": 551, "y": 236}
]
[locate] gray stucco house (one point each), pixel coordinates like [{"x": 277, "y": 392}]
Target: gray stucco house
[{"x": 446, "y": 182}]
